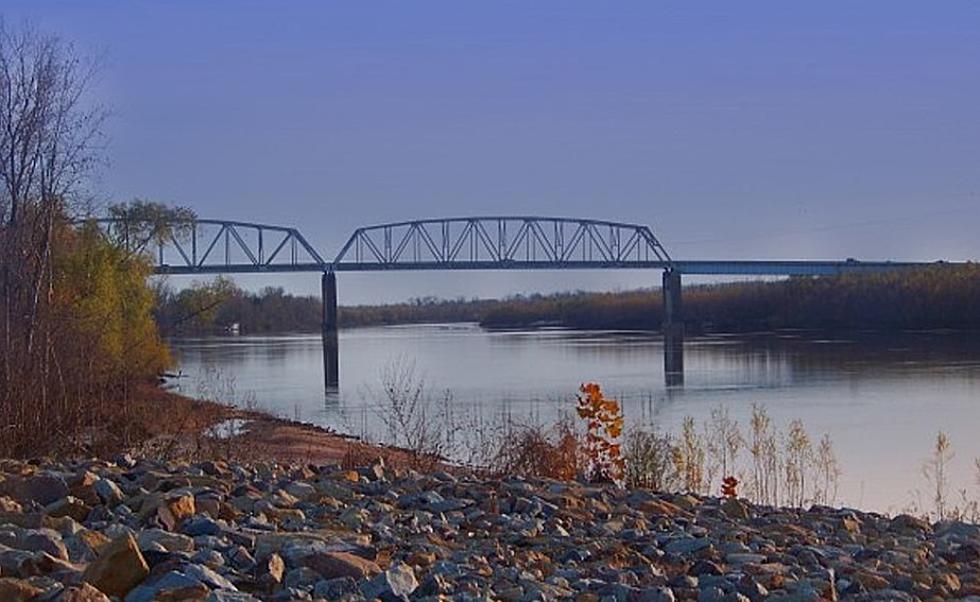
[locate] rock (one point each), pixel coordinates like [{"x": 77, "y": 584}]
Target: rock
[
  {"x": 45, "y": 540},
  {"x": 17, "y": 590},
  {"x": 85, "y": 545},
  {"x": 333, "y": 589},
  {"x": 301, "y": 577},
  {"x": 735, "y": 508},
  {"x": 201, "y": 525},
  {"x": 208, "y": 577},
  {"x": 108, "y": 492},
  {"x": 171, "y": 542},
  {"x": 168, "y": 511},
  {"x": 68, "y": 506},
  {"x": 10, "y": 505},
  {"x": 687, "y": 545},
  {"x": 301, "y": 490},
  {"x": 82, "y": 593},
  {"x": 119, "y": 568},
  {"x": 269, "y": 572},
  {"x": 393, "y": 585},
  {"x": 174, "y": 585},
  {"x": 341, "y": 564},
  {"x": 657, "y": 594},
  {"x": 223, "y": 595},
  {"x": 40, "y": 488},
  {"x": 704, "y": 567}
]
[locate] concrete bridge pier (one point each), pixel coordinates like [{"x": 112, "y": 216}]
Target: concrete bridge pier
[
  {"x": 331, "y": 347},
  {"x": 673, "y": 329}
]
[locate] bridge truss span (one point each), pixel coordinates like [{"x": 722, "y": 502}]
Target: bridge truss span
[
  {"x": 501, "y": 242},
  {"x": 203, "y": 246}
]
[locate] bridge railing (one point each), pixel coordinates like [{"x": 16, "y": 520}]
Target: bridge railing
[
  {"x": 501, "y": 242},
  {"x": 215, "y": 246}
]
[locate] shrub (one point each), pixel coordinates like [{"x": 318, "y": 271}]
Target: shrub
[{"x": 604, "y": 425}]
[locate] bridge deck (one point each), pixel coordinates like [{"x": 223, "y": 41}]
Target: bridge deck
[{"x": 691, "y": 267}]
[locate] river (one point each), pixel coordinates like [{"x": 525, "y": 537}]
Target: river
[{"x": 882, "y": 399}]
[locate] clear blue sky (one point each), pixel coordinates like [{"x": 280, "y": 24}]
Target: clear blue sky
[{"x": 743, "y": 130}]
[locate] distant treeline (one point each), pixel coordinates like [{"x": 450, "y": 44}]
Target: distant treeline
[
  {"x": 937, "y": 297},
  {"x": 217, "y": 305}
]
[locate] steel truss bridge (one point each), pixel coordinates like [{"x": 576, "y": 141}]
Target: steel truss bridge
[{"x": 208, "y": 246}]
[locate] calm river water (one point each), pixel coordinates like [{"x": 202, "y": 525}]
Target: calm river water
[{"x": 882, "y": 399}]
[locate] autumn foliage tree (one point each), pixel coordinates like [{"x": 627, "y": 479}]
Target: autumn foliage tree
[
  {"x": 76, "y": 330},
  {"x": 604, "y": 426}
]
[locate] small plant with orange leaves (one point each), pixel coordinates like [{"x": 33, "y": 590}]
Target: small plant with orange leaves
[
  {"x": 604, "y": 425},
  {"x": 729, "y": 487}
]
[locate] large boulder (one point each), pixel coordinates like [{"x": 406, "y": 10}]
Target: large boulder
[
  {"x": 119, "y": 568},
  {"x": 42, "y": 488}
]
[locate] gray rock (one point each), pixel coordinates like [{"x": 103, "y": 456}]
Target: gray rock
[
  {"x": 223, "y": 595},
  {"x": 208, "y": 577},
  {"x": 171, "y": 542},
  {"x": 172, "y": 585},
  {"x": 108, "y": 492},
  {"x": 656, "y": 594},
  {"x": 201, "y": 525},
  {"x": 301, "y": 490},
  {"x": 45, "y": 540},
  {"x": 687, "y": 545},
  {"x": 395, "y": 584},
  {"x": 332, "y": 589},
  {"x": 301, "y": 578}
]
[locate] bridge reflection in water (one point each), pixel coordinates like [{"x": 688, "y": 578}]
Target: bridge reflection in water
[{"x": 205, "y": 246}]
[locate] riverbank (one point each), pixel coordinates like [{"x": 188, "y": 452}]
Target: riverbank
[
  {"x": 211, "y": 530},
  {"x": 201, "y": 429}
]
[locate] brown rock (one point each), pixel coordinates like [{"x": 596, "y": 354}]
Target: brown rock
[
  {"x": 69, "y": 506},
  {"x": 660, "y": 508},
  {"x": 208, "y": 505},
  {"x": 82, "y": 593},
  {"x": 43, "y": 563},
  {"x": 181, "y": 506},
  {"x": 870, "y": 580},
  {"x": 422, "y": 559},
  {"x": 119, "y": 568},
  {"x": 950, "y": 581},
  {"x": 269, "y": 572},
  {"x": 168, "y": 511},
  {"x": 82, "y": 486},
  {"x": 8, "y": 504},
  {"x": 906, "y": 523},
  {"x": 17, "y": 590},
  {"x": 851, "y": 524},
  {"x": 341, "y": 564}
]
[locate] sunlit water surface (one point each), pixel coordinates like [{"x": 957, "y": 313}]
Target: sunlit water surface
[{"x": 881, "y": 398}]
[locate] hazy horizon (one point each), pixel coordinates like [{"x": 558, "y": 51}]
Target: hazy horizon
[{"x": 734, "y": 131}]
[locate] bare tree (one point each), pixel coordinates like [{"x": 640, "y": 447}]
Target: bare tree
[{"x": 50, "y": 142}]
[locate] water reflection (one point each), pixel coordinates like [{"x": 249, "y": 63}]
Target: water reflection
[{"x": 882, "y": 398}]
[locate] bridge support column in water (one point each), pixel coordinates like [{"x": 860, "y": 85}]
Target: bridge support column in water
[
  {"x": 331, "y": 348},
  {"x": 673, "y": 329}
]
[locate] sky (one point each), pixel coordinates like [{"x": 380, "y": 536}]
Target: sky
[{"x": 747, "y": 130}]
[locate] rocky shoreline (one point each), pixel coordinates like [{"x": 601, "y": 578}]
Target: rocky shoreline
[{"x": 138, "y": 531}]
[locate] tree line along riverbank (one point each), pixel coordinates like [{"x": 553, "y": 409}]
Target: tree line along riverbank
[{"x": 935, "y": 297}]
